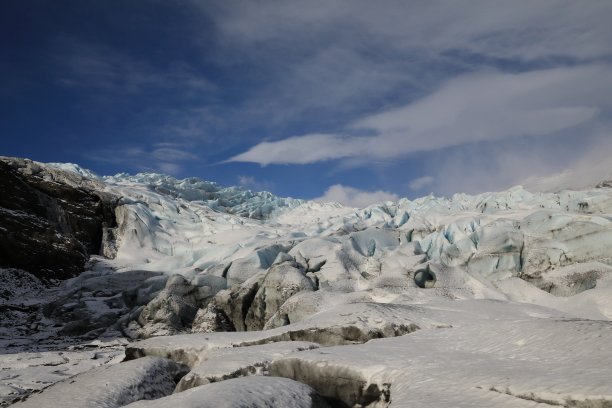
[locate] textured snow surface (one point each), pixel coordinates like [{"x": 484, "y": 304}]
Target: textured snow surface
[
  {"x": 497, "y": 299},
  {"x": 238, "y": 362},
  {"x": 112, "y": 386},
  {"x": 249, "y": 392},
  {"x": 492, "y": 349},
  {"x": 477, "y": 353},
  {"x": 23, "y": 373}
]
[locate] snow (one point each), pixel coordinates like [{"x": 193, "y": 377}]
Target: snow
[
  {"x": 239, "y": 362},
  {"x": 496, "y": 299},
  {"x": 111, "y": 386},
  {"x": 23, "y": 373},
  {"x": 246, "y": 392},
  {"x": 74, "y": 168},
  {"x": 340, "y": 324},
  {"x": 525, "y": 349},
  {"x": 233, "y": 200}
]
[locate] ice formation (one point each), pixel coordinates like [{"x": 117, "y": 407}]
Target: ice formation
[{"x": 497, "y": 299}]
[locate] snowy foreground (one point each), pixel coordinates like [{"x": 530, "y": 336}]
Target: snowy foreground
[{"x": 211, "y": 297}]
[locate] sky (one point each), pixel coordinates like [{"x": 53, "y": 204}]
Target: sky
[{"x": 352, "y": 101}]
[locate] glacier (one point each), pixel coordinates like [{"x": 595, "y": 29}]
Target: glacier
[{"x": 495, "y": 299}]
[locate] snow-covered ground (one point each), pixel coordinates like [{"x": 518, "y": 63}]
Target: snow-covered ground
[{"x": 498, "y": 299}]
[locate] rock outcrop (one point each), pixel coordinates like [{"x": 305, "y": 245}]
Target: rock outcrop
[{"x": 51, "y": 221}]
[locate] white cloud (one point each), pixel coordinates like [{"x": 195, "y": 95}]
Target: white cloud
[
  {"x": 163, "y": 157},
  {"x": 354, "y": 197},
  {"x": 534, "y": 29},
  {"x": 540, "y": 164},
  {"x": 421, "y": 182},
  {"x": 300, "y": 150},
  {"x": 587, "y": 170},
  {"x": 328, "y": 62},
  {"x": 471, "y": 108},
  {"x": 364, "y": 82},
  {"x": 252, "y": 183},
  {"x": 99, "y": 66}
]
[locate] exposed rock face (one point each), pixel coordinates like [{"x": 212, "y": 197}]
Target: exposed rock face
[{"x": 50, "y": 221}]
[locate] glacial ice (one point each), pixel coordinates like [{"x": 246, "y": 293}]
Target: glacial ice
[{"x": 496, "y": 299}]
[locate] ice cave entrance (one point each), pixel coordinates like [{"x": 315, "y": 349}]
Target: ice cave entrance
[{"x": 424, "y": 278}]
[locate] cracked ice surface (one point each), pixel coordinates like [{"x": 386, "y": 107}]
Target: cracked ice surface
[
  {"x": 111, "y": 386},
  {"x": 247, "y": 392},
  {"x": 526, "y": 349}
]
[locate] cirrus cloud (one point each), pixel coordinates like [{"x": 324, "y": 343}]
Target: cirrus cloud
[{"x": 480, "y": 107}]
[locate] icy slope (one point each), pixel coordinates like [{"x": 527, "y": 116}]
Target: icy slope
[
  {"x": 482, "y": 240},
  {"x": 233, "y": 200}
]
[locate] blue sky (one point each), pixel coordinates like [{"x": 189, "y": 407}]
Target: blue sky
[{"x": 348, "y": 100}]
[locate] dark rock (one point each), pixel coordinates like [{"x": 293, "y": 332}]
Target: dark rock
[{"x": 51, "y": 221}]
